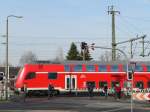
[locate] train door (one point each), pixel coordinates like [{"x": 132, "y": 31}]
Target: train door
[{"x": 70, "y": 82}]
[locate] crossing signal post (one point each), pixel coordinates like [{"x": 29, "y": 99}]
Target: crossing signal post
[{"x": 130, "y": 75}]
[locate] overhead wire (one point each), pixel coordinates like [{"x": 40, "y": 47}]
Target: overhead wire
[
  {"x": 137, "y": 29},
  {"x": 138, "y": 19}
]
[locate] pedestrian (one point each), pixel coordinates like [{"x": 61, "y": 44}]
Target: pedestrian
[
  {"x": 24, "y": 91},
  {"x": 50, "y": 91},
  {"x": 117, "y": 91},
  {"x": 105, "y": 90},
  {"x": 90, "y": 89}
]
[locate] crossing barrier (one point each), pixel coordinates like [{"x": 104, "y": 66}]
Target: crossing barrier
[{"x": 141, "y": 96}]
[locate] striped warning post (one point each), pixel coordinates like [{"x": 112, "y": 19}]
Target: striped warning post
[{"x": 141, "y": 96}]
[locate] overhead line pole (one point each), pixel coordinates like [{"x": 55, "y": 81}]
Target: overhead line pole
[
  {"x": 143, "y": 49},
  {"x": 113, "y": 12},
  {"x": 143, "y": 53},
  {"x": 131, "y": 45}
]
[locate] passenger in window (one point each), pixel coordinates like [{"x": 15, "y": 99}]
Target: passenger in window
[
  {"x": 50, "y": 90},
  {"x": 90, "y": 89},
  {"x": 141, "y": 86},
  {"x": 105, "y": 90},
  {"x": 117, "y": 91}
]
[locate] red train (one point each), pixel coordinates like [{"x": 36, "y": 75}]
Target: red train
[{"x": 75, "y": 77}]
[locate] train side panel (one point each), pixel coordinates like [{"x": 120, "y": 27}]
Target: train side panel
[{"x": 38, "y": 76}]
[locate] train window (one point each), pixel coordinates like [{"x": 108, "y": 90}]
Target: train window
[
  {"x": 1, "y": 75},
  {"x": 52, "y": 75},
  {"x": 139, "y": 85},
  {"x": 78, "y": 68},
  {"x": 138, "y": 68},
  {"x": 148, "y": 84},
  {"x": 30, "y": 75},
  {"x": 67, "y": 68},
  {"x": 102, "y": 84},
  {"x": 102, "y": 68},
  {"x": 114, "y": 83},
  {"x": 148, "y": 68},
  {"x": 90, "y": 68},
  {"x": 114, "y": 68},
  {"x": 68, "y": 83},
  {"x": 73, "y": 83},
  {"x": 92, "y": 83}
]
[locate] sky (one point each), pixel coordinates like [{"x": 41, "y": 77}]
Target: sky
[{"x": 49, "y": 26}]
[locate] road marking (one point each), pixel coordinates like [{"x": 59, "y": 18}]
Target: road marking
[{"x": 112, "y": 110}]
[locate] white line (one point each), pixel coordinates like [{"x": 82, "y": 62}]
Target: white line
[
  {"x": 114, "y": 110},
  {"x": 41, "y": 72},
  {"x": 93, "y": 72}
]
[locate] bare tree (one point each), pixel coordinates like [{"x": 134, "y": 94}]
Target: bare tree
[
  {"x": 59, "y": 55},
  {"x": 28, "y": 57},
  {"x": 106, "y": 57},
  {"x": 4, "y": 64}
]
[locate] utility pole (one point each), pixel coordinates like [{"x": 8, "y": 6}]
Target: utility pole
[{"x": 113, "y": 12}]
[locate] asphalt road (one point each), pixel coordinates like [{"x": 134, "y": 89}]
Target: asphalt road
[{"x": 73, "y": 104}]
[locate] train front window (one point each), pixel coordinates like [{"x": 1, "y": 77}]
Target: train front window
[
  {"x": 102, "y": 68},
  {"x": 52, "y": 75},
  {"x": 138, "y": 68},
  {"x": 139, "y": 85},
  {"x": 30, "y": 75},
  {"x": 114, "y": 68},
  {"x": 78, "y": 68},
  {"x": 90, "y": 68},
  {"x": 67, "y": 68}
]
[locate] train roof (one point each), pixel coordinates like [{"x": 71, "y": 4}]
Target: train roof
[{"x": 92, "y": 62}]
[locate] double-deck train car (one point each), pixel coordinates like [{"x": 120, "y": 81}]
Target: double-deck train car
[{"x": 75, "y": 77}]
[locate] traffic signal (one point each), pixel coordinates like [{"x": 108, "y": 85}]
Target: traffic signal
[
  {"x": 83, "y": 45},
  {"x": 1, "y": 76},
  {"x": 92, "y": 46},
  {"x": 130, "y": 75}
]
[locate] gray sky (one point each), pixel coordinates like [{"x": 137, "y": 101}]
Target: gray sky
[{"x": 49, "y": 25}]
